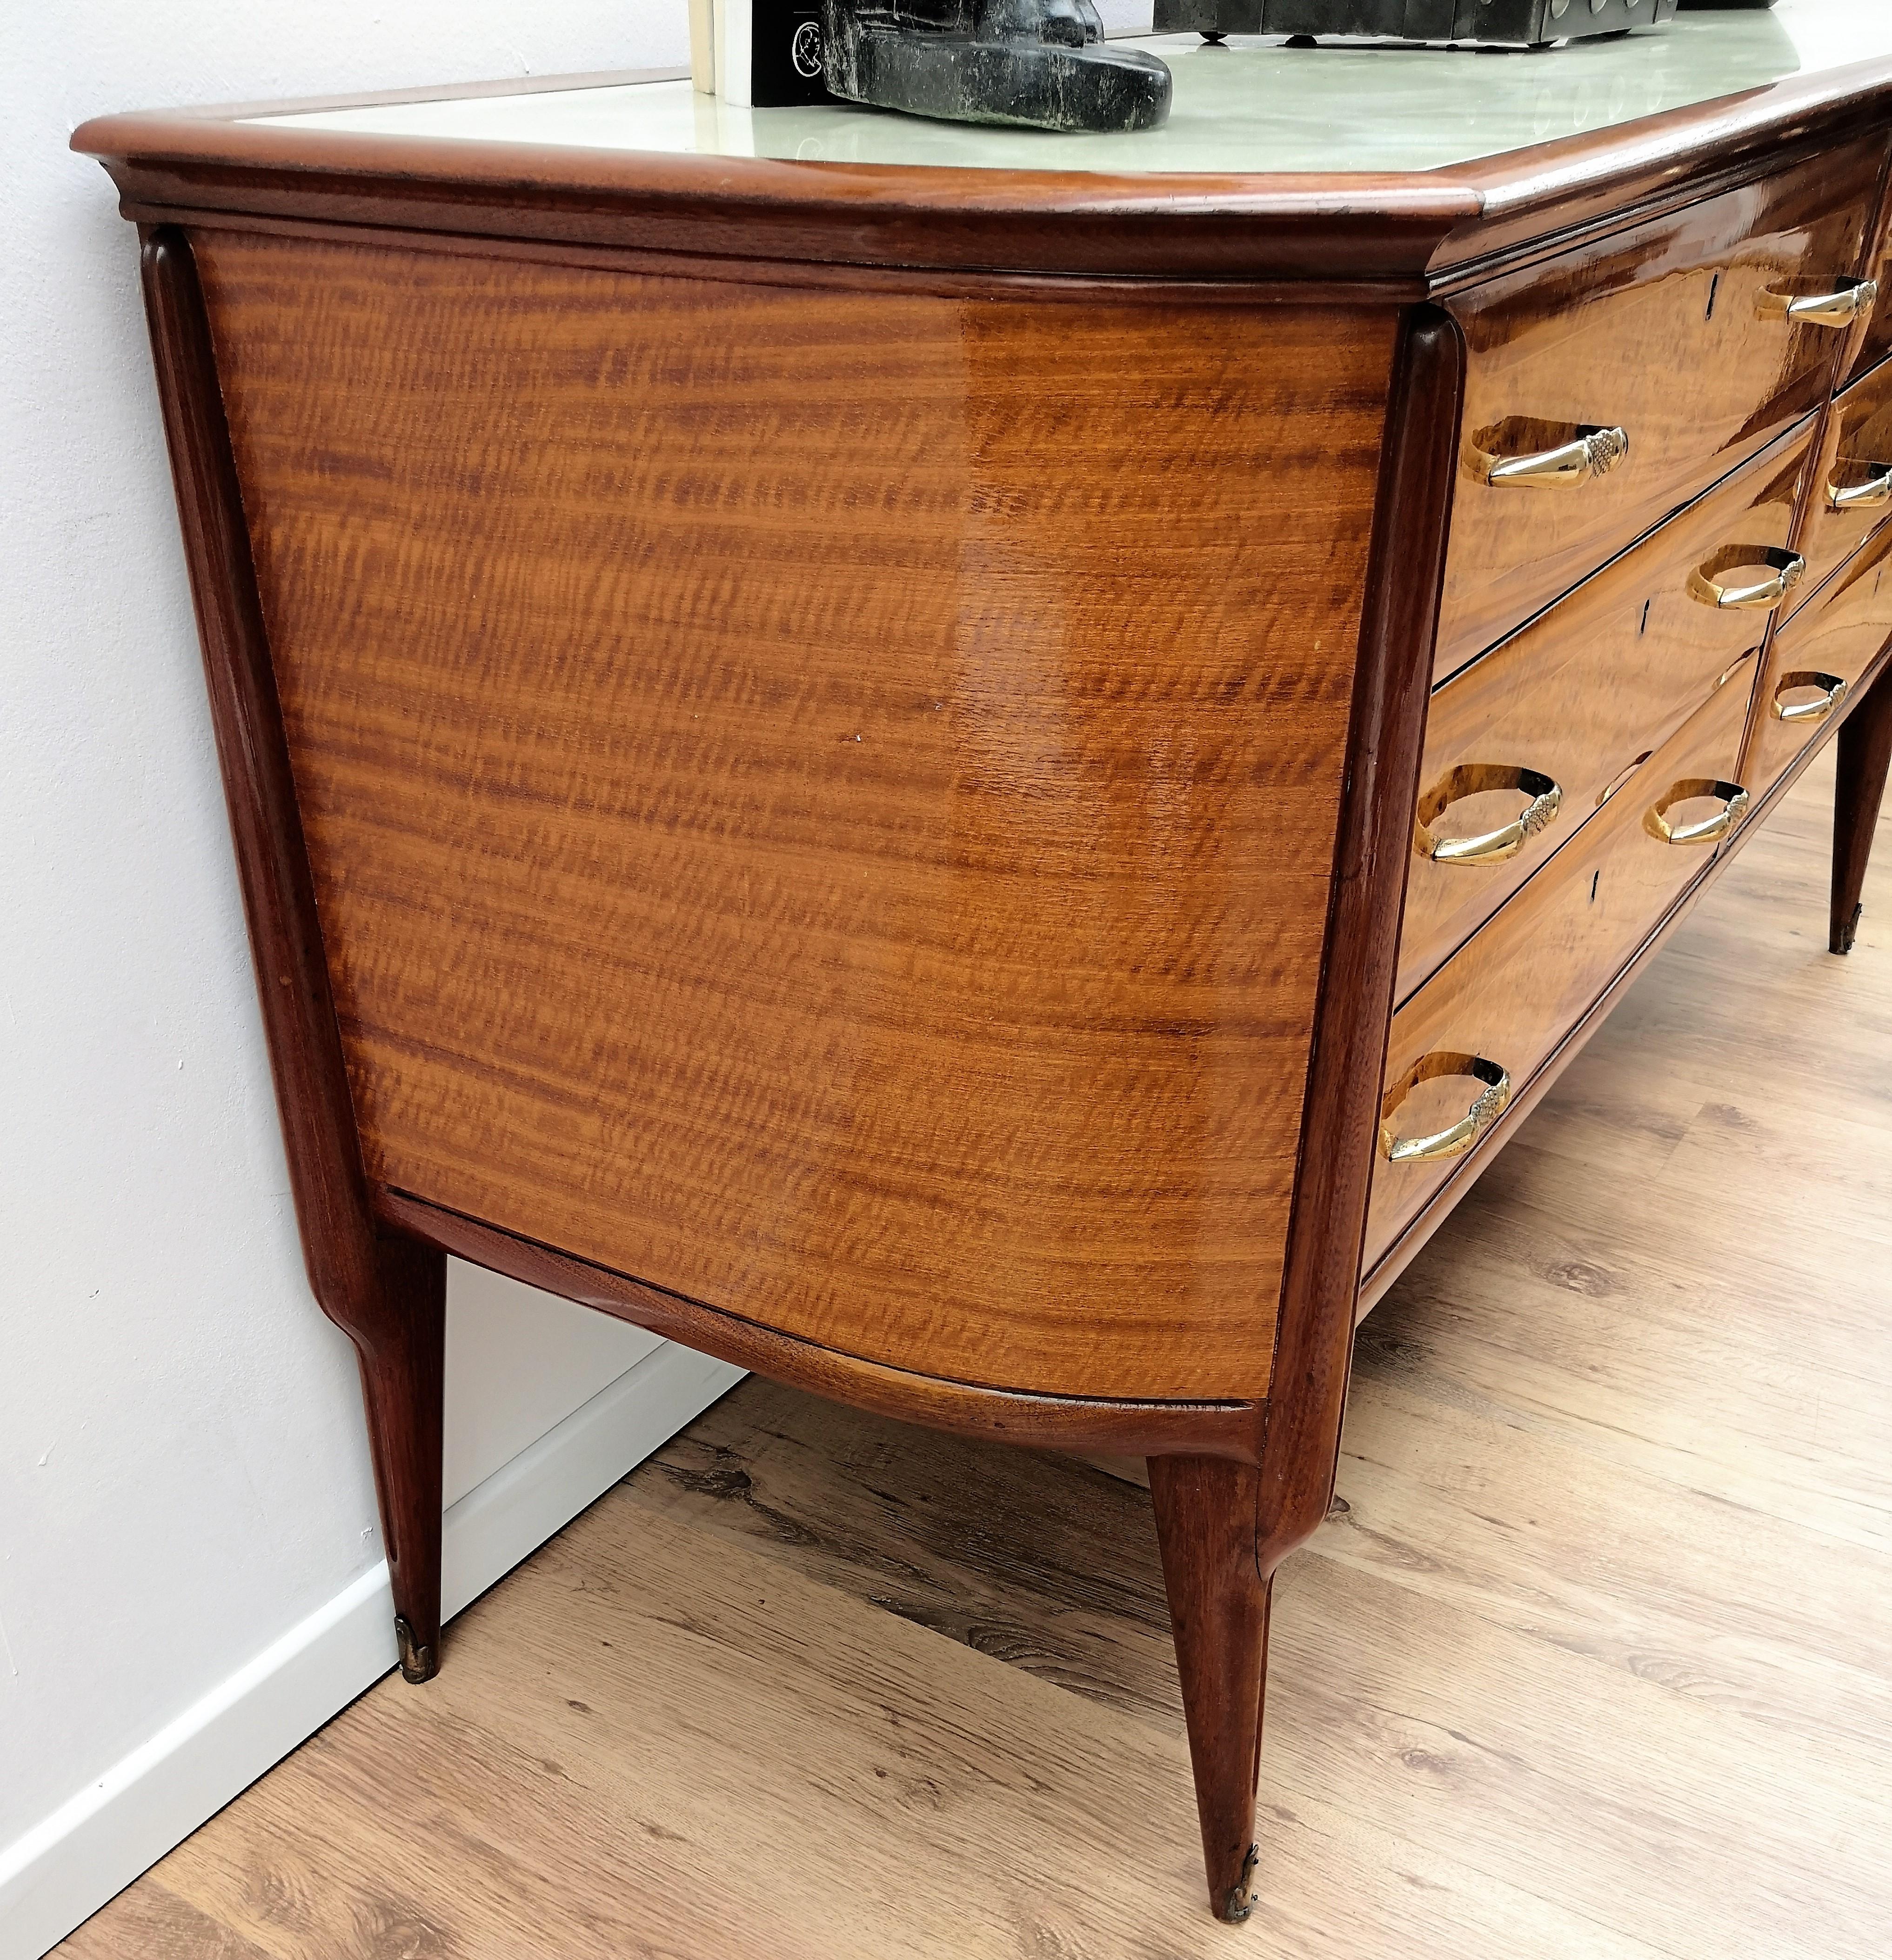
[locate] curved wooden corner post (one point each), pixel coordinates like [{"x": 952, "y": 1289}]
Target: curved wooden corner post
[
  {"x": 1865, "y": 756},
  {"x": 387, "y": 1293},
  {"x": 1224, "y": 1527}
]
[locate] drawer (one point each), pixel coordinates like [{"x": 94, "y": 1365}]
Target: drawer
[
  {"x": 1825, "y": 649},
  {"x": 1874, "y": 342},
  {"x": 1484, "y": 1023},
  {"x": 1852, "y": 495},
  {"x": 1522, "y": 746},
  {"x": 1673, "y": 335}
]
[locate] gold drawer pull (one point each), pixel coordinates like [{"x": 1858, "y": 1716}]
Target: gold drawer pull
[
  {"x": 1493, "y": 847},
  {"x": 1833, "y": 690},
  {"x": 1787, "y": 569},
  {"x": 1594, "y": 452},
  {"x": 1848, "y": 299},
  {"x": 1871, "y": 495},
  {"x": 1455, "y": 1141},
  {"x": 1734, "y": 801}
]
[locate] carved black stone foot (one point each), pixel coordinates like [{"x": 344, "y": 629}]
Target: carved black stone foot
[{"x": 1042, "y": 64}]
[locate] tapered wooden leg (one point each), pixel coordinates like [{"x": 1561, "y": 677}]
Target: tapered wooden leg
[
  {"x": 402, "y": 1361},
  {"x": 1206, "y": 1519},
  {"x": 387, "y": 1293},
  {"x": 1865, "y": 751}
]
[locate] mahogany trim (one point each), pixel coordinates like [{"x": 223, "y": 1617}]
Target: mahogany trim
[
  {"x": 1406, "y": 1247},
  {"x": 1221, "y": 1428},
  {"x": 1386, "y": 737},
  {"x": 386, "y": 1293},
  {"x": 1408, "y": 232},
  {"x": 1059, "y": 288},
  {"x": 1376, "y": 227}
]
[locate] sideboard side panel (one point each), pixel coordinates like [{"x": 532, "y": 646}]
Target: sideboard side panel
[{"x": 823, "y": 800}]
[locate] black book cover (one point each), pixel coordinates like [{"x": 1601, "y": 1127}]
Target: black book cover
[{"x": 785, "y": 59}]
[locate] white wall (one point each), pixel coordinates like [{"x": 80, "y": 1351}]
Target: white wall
[{"x": 183, "y": 1476}]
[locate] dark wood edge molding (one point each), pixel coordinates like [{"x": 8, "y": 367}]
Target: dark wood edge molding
[
  {"x": 1550, "y": 194},
  {"x": 1386, "y": 737},
  {"x": 298, "y": 1013},
  {"x": 1052, "y": 288},
  {"x": 1401, "y": 1253},
  {"x": 1400, "y": 229},
  {"x": 1371, "y": 227},
  {"x": 386, "y": 1293},
  {"x": 1224, "y": 1429}
]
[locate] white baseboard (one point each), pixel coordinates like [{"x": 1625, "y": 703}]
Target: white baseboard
[{"x": 61, "y": 1871}]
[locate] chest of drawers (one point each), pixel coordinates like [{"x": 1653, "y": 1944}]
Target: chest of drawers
[{"x": 981, "y": 774}]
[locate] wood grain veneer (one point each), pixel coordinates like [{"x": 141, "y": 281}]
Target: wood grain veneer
[
  {"x": 777, "y": 838},
  {"x": 1856, "y": 448},
  {"x": 1589, "y": 689},
  {"x": 386, "y": 1291},
  {"x": 1840, "y": 631},
  {"x": 825, "y": 758},
  {"x": 1657, "y": 331},
  {"x": 1531, "y": 974}
]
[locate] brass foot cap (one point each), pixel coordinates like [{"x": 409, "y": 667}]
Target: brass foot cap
[
  {"x": 418, "y": 1662},
  {"x": 1240, "y": 1902},
  {"x": 1843, "y": 939}
]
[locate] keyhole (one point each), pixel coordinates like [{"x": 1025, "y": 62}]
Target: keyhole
[
  {"x": 1596, "y": 878},
  {"x": 1644, "y": 627},
  {"x": 1714, "y": 287}
]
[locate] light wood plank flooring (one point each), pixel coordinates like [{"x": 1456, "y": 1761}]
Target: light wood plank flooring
[{"x": 1596, "y": 1660}]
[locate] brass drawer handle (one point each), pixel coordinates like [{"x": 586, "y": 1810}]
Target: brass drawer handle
[
  {"x": 1872, "y": 494},
  {"x": 1734, "y": 801},
  {"x": 1455, "y": 1141},
  {"x": 1848, "y": 299},
  {"x": 1833, "y": 690},
  {"x": 1594, "y": 452},
  {"x": 1787, "y": 568},
  {"x": 1493, "y": 847}
]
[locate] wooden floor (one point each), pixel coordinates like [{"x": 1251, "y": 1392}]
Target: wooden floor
[{"x": 1597, "y": 1659}]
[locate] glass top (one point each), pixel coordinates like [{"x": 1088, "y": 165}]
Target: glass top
[{"x": 1249, "y": 105}]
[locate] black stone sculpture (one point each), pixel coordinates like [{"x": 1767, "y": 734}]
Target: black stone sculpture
[
  {"x": 1528, "y": 22},
  {"x": 1041, "y": 63}
]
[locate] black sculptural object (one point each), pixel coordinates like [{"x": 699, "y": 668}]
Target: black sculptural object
[
  {"x": 1527, "y": 23},
  {"x": 1042, "y": 63}
]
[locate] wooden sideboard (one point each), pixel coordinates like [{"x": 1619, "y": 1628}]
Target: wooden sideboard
[{"x": 982, "y": 777}]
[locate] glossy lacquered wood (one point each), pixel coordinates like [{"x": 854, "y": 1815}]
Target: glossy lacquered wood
[
  {"x": 1873, "y": 341},
  {"x": 1865, "y": 756},
  {"x": 386, "y": 1291},
  {"x": 1227, "y": 1428},
  {"x": 776, "y": 839},
  {"x": 1851, "y": 495},
  {"x": 834, "y": 789},
  {"x": 1531, "y": 974},
  {"x": 1223, "y": 1531},
  {"x": 1586, "y": 691},
  {"x": 1838, "y": 634},
  {"x": 1219, "y": 1598},
  {"x": 1659, "y": 331}
]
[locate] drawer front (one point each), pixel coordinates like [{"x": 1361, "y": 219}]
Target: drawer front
[
  {"x": 1874, "y": 342},
  {"x": 1673, "y": 334},
  {"x": 1852, "y": 495},
  {"x": 1507, "y": 999},
  {"x": 1523, "y": 746},
  {"x": 1828, "y": 645}
]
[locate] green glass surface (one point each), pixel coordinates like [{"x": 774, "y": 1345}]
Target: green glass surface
[{"x": 1247, "y": 105}]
